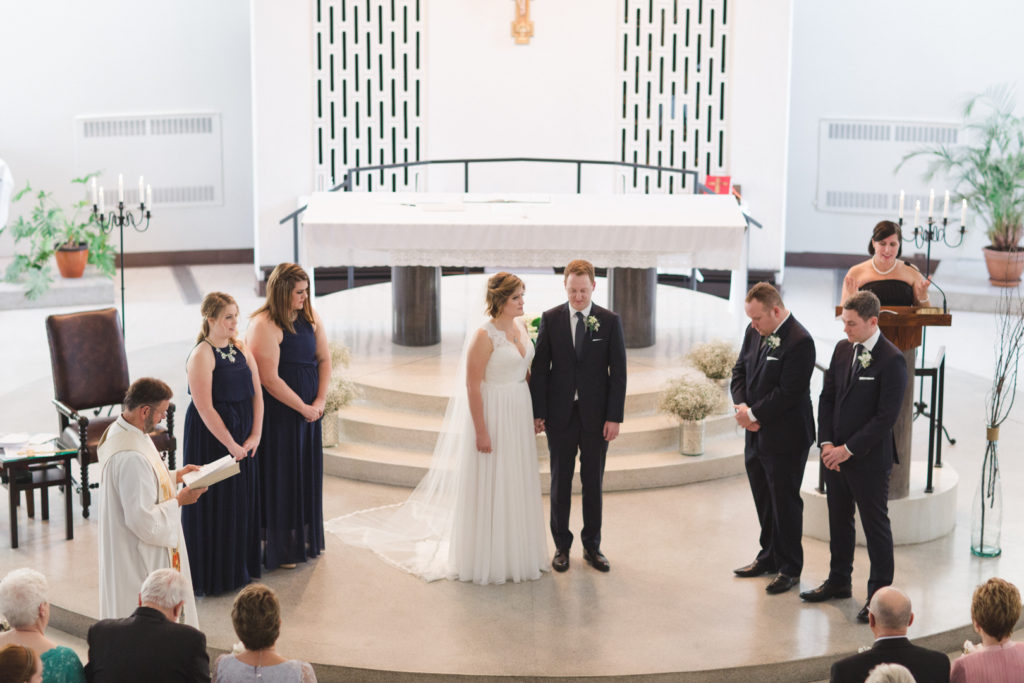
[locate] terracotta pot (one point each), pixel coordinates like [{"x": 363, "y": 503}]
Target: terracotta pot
[
  {"x": 71, "y": 260},
  {"x": 1004, "y": 267}
]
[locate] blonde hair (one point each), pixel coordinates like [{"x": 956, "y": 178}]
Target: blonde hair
[
  {"x": 995, "y": 607},
  {"x": 500, "y": 288},
  {"x": 212, "y": 307},
  {"x": 766, "y": 294},
  {"x": 278, "y": 305},
  {"x": 579, "y": 267}
]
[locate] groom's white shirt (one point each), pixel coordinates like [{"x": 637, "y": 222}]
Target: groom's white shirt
[{"x": 572, "y": 320}]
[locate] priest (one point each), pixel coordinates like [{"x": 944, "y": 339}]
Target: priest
[{"x": 139, "y": 504}]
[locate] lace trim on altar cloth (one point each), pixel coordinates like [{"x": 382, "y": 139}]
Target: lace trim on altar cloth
[{"x": 525, "y": 258}]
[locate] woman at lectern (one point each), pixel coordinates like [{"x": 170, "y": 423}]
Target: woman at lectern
[
  {"x": 894, "y": 282},
  {"x": 222, "y": 530}
]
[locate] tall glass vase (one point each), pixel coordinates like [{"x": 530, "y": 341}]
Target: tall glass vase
[{"x": 987, "y": 509}]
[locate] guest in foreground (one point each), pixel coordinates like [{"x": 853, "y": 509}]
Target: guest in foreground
[
  {"x": 140, "y": 512},
  {"x": 894, "y": 282},
  {"x": 256, "y": 616},
  {"x": 995, "y": 609},
  {"x": 889, "y": 616},
  {"x": 150, "y": 645},
  {"x": 23, "y": 602},
  {"x": 859, "y": 403},
  {"x": 222, "y": 530},
  {"x": 19, "y": 664},
  {"x": 578, "y": 385},
  {"x": 289, "y": 342},
  {"x": 891, "y": 673},
  {"x": 771, "y": 387}
]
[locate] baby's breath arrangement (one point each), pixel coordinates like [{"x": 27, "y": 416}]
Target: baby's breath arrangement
[
  {"x": 714, "y": 358},
  {"x": 691, "y": 396},
  {"x": 340, "y": 393},
  {"x": 340, "y": 355}
]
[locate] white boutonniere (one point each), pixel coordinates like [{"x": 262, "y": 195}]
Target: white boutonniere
[
  {"x": 864, "y": 359},
  {"x": 592, "y": 324},
  {"x": 772, "y": 341}
]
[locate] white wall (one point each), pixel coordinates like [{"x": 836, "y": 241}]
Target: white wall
[
  {"x": 64, "y": 58},
  {"x": 878, "y": 59}
]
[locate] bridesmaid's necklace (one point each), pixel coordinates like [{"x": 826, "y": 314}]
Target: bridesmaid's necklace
[
  {"x": 229, "y": 355},
  {"x": 883, "y": 272}
]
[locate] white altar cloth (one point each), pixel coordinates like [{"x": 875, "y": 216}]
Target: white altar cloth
[{"x": 677, "y": 232}]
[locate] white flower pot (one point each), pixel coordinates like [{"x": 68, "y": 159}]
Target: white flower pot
[
  {"x": 329, "y": 429},
  {"x": 691, "y": 437},
  {"x": 726, "y": 406}
]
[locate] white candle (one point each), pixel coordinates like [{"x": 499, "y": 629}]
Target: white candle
[
  {"x": 963, "y": 214},
  {"x": 931, "y": 203},
  {"x": 149, "y": 196},
  {"x": 93, "y": 193},
  {"x": 141, "y": 196},
  {"x": 120, "y": 188},
  {"x": 101, "y": 202},
  {"x": 917, "y": 213},
  {"x": 945, "y": 206},
  {"x": 901, "y": 204}
]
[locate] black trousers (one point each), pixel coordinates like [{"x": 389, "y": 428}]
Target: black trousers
[
  {"x": 869, "y": 491},
  {"x": 563, "y": 444},
  {"x": 775, "y": 484}
]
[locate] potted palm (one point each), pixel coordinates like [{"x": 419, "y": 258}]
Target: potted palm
[
  {"x": 988, "y": 171},
  {"x": 73, "y": 238}
]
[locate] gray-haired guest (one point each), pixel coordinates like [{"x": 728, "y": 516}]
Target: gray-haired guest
[
  {"x": 150, "y": 645},
  {"x": 24, "y": 603}
]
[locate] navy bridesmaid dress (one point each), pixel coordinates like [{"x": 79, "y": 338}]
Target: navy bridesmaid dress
[
  {"x": 291, "y": 459},
  {"x": 222, "y": 528}
]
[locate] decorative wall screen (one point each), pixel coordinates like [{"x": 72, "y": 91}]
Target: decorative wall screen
[
  {"x": 369, "y": 99},
  {"x": 673, "y": 55}
]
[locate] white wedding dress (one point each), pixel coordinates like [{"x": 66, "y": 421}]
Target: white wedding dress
[{"x": 474, "y": 516}]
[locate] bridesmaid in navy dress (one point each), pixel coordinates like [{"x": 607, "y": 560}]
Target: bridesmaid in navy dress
[
  {"x": 290, "y": 345},
  {"x": 225, "y": 417}
]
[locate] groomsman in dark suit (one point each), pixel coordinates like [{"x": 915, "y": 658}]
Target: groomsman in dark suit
[
  {"x": 578, "y": 385},
  {"x": 771, "y": 389},
  {"x": 859, "y": 403}
]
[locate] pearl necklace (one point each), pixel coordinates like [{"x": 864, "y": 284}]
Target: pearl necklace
[{"x": 883, "y": 272}]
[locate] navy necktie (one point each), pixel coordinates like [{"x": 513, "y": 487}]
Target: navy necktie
[{"x": 579, "y": 335}]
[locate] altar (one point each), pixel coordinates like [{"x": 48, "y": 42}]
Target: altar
[{"x": 415, "y": 233}]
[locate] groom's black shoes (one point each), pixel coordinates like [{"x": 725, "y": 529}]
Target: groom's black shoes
[
  {"x": 755, "y": 568},
  {"x": 561, "y": 561},
  {"x": 781, "y": 584},
  {"x": 596, "y": 560},
  {"x": 826, "y": 591}
]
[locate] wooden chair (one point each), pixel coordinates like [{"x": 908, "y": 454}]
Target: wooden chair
[{"x": 90, "y": 373}]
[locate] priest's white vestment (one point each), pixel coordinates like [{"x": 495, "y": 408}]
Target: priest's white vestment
[{"x": 140, "y": 524}]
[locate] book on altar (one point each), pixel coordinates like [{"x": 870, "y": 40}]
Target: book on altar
[{"x": 211, "y": 473}]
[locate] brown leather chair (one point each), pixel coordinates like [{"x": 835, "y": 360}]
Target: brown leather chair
[{"x": 90, "y": 373}]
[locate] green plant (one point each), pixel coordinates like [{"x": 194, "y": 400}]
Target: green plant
[
  {"x": 714, "y": 358},
  {"x": 988, "y": 170},
  {"x": 691, "y": 396},
  {"x": 49, "y": 227}
]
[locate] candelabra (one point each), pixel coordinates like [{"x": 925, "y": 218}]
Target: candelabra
[{"x": 123, "y": 217}]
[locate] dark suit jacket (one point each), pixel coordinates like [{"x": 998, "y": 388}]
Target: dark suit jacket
[
  {"x": 860, "y": 413},
  {"x": 926, "y": 665},
  {"x": 599, "y": 377},
  {"x": 146, "y": 647},
  {"x": 777, "y": 389}
]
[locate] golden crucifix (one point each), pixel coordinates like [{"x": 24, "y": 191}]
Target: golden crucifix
[{"x": 522, "y": 27}]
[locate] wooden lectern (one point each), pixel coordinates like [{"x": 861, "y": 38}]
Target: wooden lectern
[{"x": 903, "y": 325}]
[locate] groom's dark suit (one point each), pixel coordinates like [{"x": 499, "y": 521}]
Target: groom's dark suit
[
  {"x": 857, "y": 409},
  {"x": 775, "y": 385},
  {"x": 597, "y": 378}
]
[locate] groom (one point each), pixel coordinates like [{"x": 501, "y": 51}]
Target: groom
[{"x": 578, "y": 384}]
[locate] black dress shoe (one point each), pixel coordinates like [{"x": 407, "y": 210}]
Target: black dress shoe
[
  {"x": 561, "y": 561},
  {"x": 781, "y": 584},
  {"x": 862, "y": 615},
  {"x": 826, "y": 591},
  {"x": 596, "y": 560},
  {"x": 755, "y": 568}
]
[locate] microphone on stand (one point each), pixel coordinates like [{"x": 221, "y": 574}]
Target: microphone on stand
[{"x": 944, "y": 309}]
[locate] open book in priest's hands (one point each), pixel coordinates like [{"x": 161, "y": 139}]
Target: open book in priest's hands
[{"x": 211, "y": 473}]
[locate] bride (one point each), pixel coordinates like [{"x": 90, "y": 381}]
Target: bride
[{"x": 476, "y": 515}]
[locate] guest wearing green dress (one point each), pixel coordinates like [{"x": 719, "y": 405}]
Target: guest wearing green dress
[{"x": 23, "y": 602}]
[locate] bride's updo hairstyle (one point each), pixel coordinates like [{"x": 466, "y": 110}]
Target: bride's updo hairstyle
[
  {"x": 500, "y": 288},
  {"x": 883, "y": 230}
]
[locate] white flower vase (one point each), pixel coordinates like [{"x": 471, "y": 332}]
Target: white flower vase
[
  {"x": 726, "y": 406},
  {"x": 329, "y": 429},
  {"x": 691, "y": 437}
]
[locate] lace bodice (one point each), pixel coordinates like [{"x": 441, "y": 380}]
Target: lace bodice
[{"x": 506, "y": 365}]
